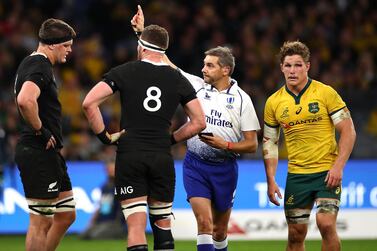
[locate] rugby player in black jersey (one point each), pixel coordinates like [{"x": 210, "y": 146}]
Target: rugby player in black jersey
[
  {"x": 150, "y": 91},
  {"x": 43, "y": 170}
]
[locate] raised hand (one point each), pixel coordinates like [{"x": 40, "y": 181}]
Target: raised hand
[{"x": 137, "y": 21}]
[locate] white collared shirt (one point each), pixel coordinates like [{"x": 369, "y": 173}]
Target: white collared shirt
[{"x": 228, "y": 113}]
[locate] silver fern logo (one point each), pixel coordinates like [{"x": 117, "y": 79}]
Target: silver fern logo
[{"x": 52, "y": 187}]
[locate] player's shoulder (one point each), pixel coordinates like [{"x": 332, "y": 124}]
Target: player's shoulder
[
  {"x": 35, "y": 64},
  {"x": 322, "y": 87},
  {"x": 277, "y": 95},
  {"x": 36, "y": 61}
]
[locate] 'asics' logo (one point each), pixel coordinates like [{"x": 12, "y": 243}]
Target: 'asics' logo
[{"x": 299, "y": 110}]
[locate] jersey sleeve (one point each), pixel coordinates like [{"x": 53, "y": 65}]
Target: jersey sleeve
[
  {"x": 334, "y": 102},
  {"x": 186, "y": 90},
  {"x": 195, "y": 81},
  {"x": 37, "y": 78},
  {"x": 112, "y": 79},
  {"x": 249, "y": 119},
  {"x": 269, "y": 114},
  {"x": 39, "y": 73}
]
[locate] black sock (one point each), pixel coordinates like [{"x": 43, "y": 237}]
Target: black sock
[{"x": 143, "y": 247}]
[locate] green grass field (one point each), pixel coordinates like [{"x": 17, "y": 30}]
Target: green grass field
[{"x": 73, "y": 243}]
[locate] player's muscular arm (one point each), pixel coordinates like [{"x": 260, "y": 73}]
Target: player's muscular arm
[
  {"x": 196, "y": 124},
  {"x": 91, "y": 103},
  {"x": 93, "y": 99},
  {"x": 27, "y": 103},
  {"x": 270, "y": 155},
  {"x": 270, "y": 166},
  {"x": 347, "y": 137}
]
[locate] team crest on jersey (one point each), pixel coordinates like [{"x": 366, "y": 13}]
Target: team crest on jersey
[
  {"x": 285, "y": 113},
  {"x": 230, "y": 101},
  {"x": 290, "y": 200},
  {"x": 313, "y": 107},
  {"x": 206, "y": 96}
]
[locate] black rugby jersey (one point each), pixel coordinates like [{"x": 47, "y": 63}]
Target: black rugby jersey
[
  {"x": 150, "y": 94},
  {"x": 38, "y": 69}
]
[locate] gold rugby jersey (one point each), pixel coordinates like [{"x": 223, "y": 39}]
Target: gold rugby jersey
[{"x": 307, "y": 126}]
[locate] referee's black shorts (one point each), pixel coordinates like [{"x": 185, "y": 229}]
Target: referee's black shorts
[
  {"x": 149, "y": 174},
  {"x": 43, "y": 172}
]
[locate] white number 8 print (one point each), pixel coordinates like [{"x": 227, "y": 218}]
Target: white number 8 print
[{"x": 154, "y": 98}]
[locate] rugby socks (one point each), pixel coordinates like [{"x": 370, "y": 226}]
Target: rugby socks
[
  {"x": 221, "y": 245},
  {"x": 205, "y": 242},
  {"x": 138, "y": 248}
]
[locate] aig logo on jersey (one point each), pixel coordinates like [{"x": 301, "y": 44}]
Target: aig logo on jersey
[
  {"x": 230, "y": 101},
  {"x": 124, "y": 190},
  {"x": 313, "y": 107}
]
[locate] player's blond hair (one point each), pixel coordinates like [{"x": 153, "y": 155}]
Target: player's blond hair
[{"x": 290, "y": 48}]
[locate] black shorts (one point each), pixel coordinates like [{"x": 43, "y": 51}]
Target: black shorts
[
  {"x": 149, "y": 174},
  {"x": 43, "y": 172}
]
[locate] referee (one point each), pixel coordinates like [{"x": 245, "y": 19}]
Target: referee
[
  {"x": 150, "y": 92},
  {"x": 42, "y": 168}
]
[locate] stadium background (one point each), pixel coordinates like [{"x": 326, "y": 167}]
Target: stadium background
[{"x": 341, "y": 35}]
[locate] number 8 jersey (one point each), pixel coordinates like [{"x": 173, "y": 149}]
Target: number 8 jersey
[{"x": 149, "y": 95}]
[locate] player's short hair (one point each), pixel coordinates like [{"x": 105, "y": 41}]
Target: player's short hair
[
  {"x": 290, "y": 48},
  {"x": 225, "y": 56},
  {"x": 156, "y": 35},
  {"x": 55, "y": 31}
]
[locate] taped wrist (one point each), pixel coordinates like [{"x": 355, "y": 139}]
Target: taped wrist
[{"x": 104, "y": 137}]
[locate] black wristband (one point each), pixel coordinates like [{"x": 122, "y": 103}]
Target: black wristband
[
  {"x": 172, "y": 139},
  {"x": 138, "y": 33},
  {"x": 44, "y": 133},
  {"x": 102, "y": 136}
]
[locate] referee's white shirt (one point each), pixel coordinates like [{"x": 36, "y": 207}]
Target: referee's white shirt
[{"x": 228, "y": 113}]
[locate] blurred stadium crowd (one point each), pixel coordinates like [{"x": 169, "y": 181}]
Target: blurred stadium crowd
[{"x": 342, "y": 36}]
